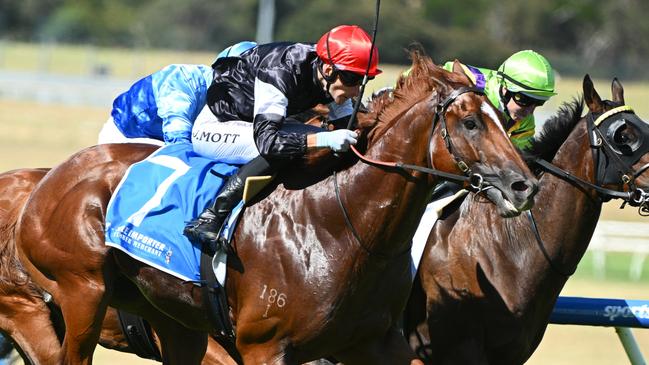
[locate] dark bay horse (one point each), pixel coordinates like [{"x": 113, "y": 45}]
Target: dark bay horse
[
  {"x": 486, "y": 286},
  {"x": 304, "y": 282}
]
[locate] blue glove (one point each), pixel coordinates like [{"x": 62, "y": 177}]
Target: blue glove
[{"x": 338, "y": 140}]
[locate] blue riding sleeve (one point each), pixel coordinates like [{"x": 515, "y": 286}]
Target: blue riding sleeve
[{"x": 163, "y": 105}]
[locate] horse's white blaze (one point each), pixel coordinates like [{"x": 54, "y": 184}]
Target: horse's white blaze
[{"x": 491, "y": 112}]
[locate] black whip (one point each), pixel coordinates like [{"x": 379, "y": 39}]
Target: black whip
[{"x": 367, "y": 70}]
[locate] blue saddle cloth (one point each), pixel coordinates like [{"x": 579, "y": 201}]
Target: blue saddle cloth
[{"x": 151, "y": 205}]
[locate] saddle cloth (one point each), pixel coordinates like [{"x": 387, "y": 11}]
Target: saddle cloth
[{"x": 154, "y": 200}]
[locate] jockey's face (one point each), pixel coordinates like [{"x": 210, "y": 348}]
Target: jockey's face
[
  {"x": 518, "y": 112},
  {"x": 338, "y": 90},
  {"x": 520, "y": 106}
]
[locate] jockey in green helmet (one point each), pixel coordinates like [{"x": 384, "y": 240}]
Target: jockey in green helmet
[{"x": 524, "y": 81}]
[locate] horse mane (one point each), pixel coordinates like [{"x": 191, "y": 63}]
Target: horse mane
[
  {"x": 423, "y": 79},
  {"x": 11, "y": 271},
  {"x": 384, "y": 108},
  {"x": 556, "y": 130}
]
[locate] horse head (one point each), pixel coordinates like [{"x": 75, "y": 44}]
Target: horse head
[
  {"x": 486, "y": 141},
  {"x": 620, "y": 139},
  {"x": 468, "y": 137}
]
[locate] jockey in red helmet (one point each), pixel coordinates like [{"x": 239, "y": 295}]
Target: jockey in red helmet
[
  {"x": 344, "y": 52},
  {"x": 252, "y": 96}
]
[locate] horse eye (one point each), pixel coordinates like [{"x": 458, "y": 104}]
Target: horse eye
[
  {"x": 470, "y": 124},
  {"x": 621, "y": 136}
]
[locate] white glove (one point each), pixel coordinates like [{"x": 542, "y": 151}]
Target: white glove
[{"x": 338, "y": 140}]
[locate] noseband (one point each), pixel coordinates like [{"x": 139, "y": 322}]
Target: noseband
[{"x": 611, "y": 166}]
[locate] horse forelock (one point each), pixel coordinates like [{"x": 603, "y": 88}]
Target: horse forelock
[
  {"x": 556, "y": 130},
  {"x": 424, "y": 79}
]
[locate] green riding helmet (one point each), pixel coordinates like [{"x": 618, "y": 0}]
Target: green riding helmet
[{"x": 528, "y": 72}]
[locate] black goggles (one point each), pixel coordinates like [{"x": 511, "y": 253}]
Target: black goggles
[
  {"x": 349, "y": 78},
  {"x": 524, "y": 101}
]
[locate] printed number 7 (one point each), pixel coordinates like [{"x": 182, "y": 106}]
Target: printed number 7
[{"x": 180, "y": 168}]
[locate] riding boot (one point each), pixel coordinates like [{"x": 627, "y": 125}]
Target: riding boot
[{"x": 205, "y": 229}]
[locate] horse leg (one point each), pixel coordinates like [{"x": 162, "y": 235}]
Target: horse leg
[
  {"x": 83, "y": 302},
  {"x": 179, "y": 344},
  {"x": 26, "y": 319},
  {"x": 393, "y": 349},
  {"x": 216, "y": 354}
]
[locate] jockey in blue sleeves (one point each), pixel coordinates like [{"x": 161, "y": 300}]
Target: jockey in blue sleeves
[{"x": 162, "y": 107}]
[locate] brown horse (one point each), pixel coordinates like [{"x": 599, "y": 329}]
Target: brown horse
[
  {"x": 486, "y": 286},
  {"x": 24, "y": 316},
  {"x": 305, "y": 282}
]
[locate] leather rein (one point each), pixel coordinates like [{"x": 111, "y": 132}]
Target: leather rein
[
  {"x": 635, "y": 196},
  {"x": 476, "y": 181}
]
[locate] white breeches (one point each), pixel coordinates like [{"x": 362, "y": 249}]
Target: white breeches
[{"x": 230, "y": 142}]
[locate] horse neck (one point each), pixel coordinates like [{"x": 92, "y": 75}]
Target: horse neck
[
  {"x": 569, "y": 214},
  {"x": 566, "y": 217},
  {"x": 389, "y": 202}
]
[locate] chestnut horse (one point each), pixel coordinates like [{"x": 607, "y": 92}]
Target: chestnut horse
[
  {"x": 24, "y": 315},
  {"x": 320, "y": 265},
  {"x": 486, "y": 286}
]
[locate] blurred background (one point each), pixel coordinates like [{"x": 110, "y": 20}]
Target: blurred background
[{"x": 62, "y": 62}]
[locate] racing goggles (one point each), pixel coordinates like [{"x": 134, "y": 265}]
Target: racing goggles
[
  {"x": 349, "y": 78},
  {"x": 525, "y": 101}
]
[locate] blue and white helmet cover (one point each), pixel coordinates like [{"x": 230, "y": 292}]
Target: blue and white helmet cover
[{"x": 236, "y": 49}]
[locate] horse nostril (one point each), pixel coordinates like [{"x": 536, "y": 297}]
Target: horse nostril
[{"x": 520, "y": 186}]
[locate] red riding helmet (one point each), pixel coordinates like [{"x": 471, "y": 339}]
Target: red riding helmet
[{"x": 347, "y": 47}]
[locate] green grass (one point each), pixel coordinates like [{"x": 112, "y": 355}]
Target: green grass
[{"x": 616, "y": 268}]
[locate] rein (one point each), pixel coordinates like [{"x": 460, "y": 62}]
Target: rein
[
  {"x": 549, "y": 259},
  {"x": 637, "y": 196},
  {"x": 548, "y": 166},
  {"x": 476, "y": 181},
  {"x": 354, "y": 231}
]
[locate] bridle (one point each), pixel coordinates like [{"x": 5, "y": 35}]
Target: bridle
[
  {"x": 475, "y": 181},
  {"x": 612, "y": 166}
]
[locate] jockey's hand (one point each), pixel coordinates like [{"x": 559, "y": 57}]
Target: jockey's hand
[{"x": 338, "y": 140}]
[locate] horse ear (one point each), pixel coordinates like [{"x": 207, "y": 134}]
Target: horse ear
[
  {"x": 617, "y": 91},
  {"x": 591, "y": 96},
  {"x": 458, "y": 69}
]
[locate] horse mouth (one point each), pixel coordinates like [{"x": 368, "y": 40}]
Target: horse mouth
[
  {"x": 505, "y": 207},
  {"x": 509, "y": 189}
]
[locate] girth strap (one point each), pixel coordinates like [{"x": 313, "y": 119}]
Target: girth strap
[
  {"x": 139, "y": 335},
  {"x": 215, "y": 301}
]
